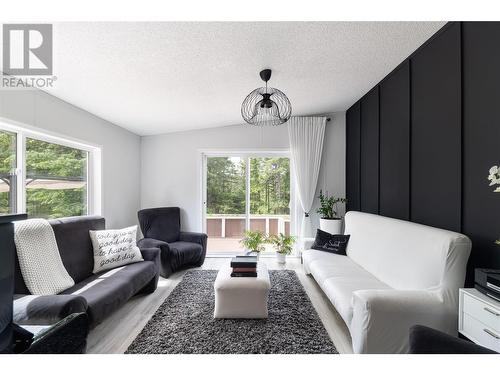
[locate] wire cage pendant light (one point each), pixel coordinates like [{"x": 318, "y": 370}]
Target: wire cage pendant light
[{"x": 266, "y": 105}]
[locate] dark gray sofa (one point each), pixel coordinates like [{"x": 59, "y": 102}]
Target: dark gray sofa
[
  {"x": 161, "y": 228},
  {"x": 98, "y": 295}
]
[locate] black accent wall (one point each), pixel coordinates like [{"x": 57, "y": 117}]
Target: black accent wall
[
  {"x": 481, "y": 135},
  {"x": 353, "y": 148},
  {"x": 436, "y": 132},
  {"x": 369, "y": 152},
  {"x": 421, "y": 142},
  {"x": 394, "y": 186}
]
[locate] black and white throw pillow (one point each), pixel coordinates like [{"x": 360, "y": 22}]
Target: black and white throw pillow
[
  {"x": 332, "y": 243},
  {"x": 114, "y": 248}
]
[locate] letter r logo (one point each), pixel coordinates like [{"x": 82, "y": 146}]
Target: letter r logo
[{"x": 27, "y": 49}]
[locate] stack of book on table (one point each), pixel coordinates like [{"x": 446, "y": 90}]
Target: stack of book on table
[{"x": 244, "y": 266}]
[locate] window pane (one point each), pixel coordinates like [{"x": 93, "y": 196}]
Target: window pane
[
  {"x": 226, "y": 184},
  {"x": 8, "y": 166},
  {"x": 270, "y": 195},
  {"x": 56, "y": 180}
]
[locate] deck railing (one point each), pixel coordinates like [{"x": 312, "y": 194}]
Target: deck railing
[{"x": 233, "y": 226}]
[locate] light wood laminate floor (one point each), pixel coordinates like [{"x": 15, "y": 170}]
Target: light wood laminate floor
[{"x": 117, "y": 332}]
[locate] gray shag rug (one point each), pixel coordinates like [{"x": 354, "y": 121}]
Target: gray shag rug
[{"x": 184, "y": 323}]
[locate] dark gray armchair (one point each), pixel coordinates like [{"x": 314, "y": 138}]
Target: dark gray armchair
[
  {"x": 425, "y": 340},
  {"x": 161, "y": 228}
]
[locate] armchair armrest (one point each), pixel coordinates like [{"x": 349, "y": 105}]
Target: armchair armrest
[
  {"x": 150, "y": 243},
  {"x": 45, "y": 310},
  {"x": 382, "y": 318},
  {"x": 200, "y": 238}
]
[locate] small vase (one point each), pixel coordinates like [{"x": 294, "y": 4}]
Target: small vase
[
  {"x": 332, "y": 226},
  {"x": 281, "y": 258}
]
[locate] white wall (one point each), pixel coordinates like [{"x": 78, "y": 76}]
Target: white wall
[
  {"x": 120, "y": 148},
  {"x": 171, "y": 170}
]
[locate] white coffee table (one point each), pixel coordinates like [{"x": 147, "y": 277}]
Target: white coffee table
[{"x": 241, "y": 297}]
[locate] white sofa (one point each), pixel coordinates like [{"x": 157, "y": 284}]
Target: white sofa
[{"x": 396, "y": 274}]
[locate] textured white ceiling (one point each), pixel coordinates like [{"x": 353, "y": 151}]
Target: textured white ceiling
[{"x": 155, "y": 78}]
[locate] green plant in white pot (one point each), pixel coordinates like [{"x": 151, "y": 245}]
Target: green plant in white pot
[
  {"x": 283, "y": 245},
  {"x": 254, "y": 242},
  {"x": 494, "y": 178},
  {"x": 330, "y": 221}
]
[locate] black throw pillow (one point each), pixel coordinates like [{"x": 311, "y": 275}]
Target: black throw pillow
[{"x": 332, "y": 243}]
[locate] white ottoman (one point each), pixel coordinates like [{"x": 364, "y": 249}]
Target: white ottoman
[{"x": 241, "y": 297}]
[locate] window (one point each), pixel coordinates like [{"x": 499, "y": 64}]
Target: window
[
  {"x": 244, "y": 192},
  {"x": 8, "y": 166},
  {"x": 46, "y": 176},
  {"x": 56, "y": 180}
]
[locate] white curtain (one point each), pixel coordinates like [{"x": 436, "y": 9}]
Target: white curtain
[{"x": 306, "y": 145}]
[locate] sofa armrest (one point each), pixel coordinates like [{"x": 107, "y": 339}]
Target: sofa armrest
[
  {"x": 382, "y": 318},
  {"x": 45, "y": 310},
  {"x": 305, "y": 243},
  {"x": 152, "y": 255},
  {"x": 425, "y": 340},
  {"x": 68, "y": 336},
  {"x": 200, "y": 238}
]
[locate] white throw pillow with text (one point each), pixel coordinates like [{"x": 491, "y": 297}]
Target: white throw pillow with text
[{"x": 114, "y": 248}]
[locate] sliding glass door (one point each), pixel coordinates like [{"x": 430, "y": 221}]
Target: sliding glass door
[
  {"x": 244, "y": 192},
  {"x": 225, "y": 203}
]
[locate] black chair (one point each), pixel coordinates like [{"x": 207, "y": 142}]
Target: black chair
[
  {"x": 161, "y": 228},
  {"x": 425, "y": 340}
]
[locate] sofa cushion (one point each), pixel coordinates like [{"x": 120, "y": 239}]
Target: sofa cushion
[
  {"x": 325, "y": 265},
  {"x": 339, "y": 290},
  {"x": 105, "y": 292},
  {"x": 75, "y": 247},
  {"x": 403, "y": 254},
  {"x": 339, "y": 276}
]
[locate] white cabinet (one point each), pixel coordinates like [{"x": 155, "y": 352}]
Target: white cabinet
[{"x": 479, "y": 318}]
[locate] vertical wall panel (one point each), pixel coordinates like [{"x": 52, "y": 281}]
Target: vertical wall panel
[
  {"x": 481, "y": 100},
  {"x": 369, "y": 151},
  {"x": 394, "y": 183},
  {"x": 353, "y": 158},
  {"x": 436, "y": 132}
]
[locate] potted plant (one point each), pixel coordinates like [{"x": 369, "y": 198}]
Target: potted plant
[
  {"x": 254, "y": 242},
  {"x": 283, "y": 245},
  {"x": 330, "y": 221},
  {"x": 494, "y": 178}
]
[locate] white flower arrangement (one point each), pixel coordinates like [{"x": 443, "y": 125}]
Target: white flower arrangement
[{"x": 494, "y": 179}]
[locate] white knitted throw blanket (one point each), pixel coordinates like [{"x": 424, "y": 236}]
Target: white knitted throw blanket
[{"x": 39, "y": 259}]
